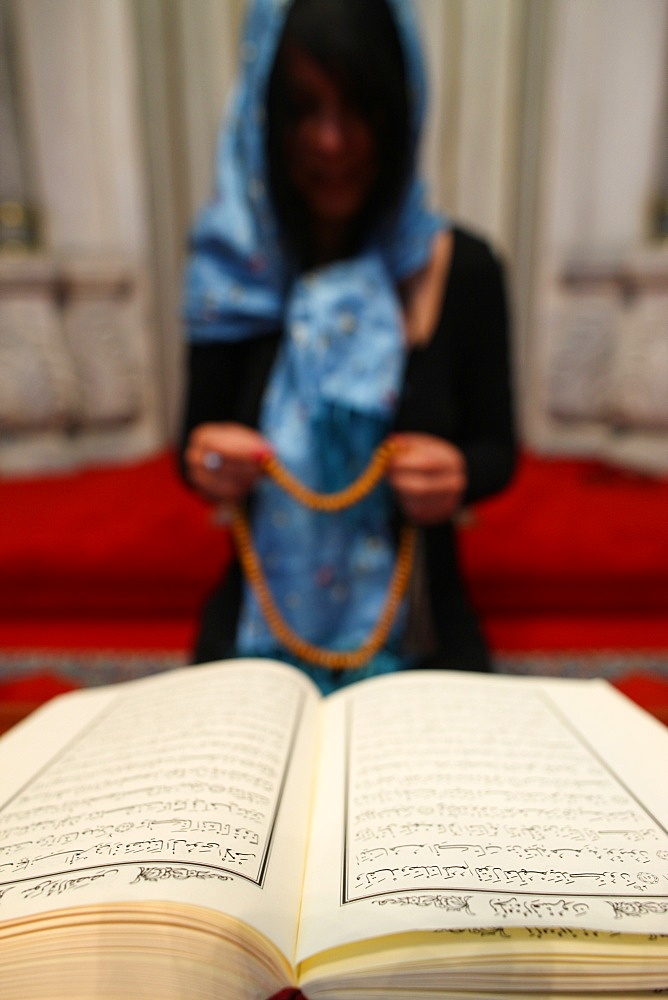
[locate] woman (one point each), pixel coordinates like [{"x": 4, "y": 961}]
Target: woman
[{"x": 328, "y": 309}]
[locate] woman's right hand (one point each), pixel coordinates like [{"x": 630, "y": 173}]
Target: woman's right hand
[{"x": 224, "y": 461}]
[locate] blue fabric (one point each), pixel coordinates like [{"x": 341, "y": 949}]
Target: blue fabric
[
  {"x": 334, "y": 389},
  {"x": 238, "y": 278}
]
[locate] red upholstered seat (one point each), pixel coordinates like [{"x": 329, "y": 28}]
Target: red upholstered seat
[
  {"x": 128, "y": 543},
  {"x": 573, "y": 554},
  {"x": 572, "y": 557}
]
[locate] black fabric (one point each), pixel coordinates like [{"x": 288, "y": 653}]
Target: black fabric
[{"x": 457, "y": 387}]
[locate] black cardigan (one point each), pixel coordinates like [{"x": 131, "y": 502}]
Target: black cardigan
[{"x": 457, "y": 387}]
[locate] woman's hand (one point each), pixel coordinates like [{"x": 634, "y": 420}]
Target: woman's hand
[
  {"x": 428, "y": 476},
  {"x": 224, "y": 461}
]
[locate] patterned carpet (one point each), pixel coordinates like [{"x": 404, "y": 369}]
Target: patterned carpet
[
  {"x": 86, "y": 668},
  {"x": 91, "y": 669},
  {"x": 611, "y": 665},
  {"x": 30, "y": 678}
]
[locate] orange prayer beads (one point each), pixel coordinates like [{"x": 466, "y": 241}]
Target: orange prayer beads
[{"x": 352, "y": 494}]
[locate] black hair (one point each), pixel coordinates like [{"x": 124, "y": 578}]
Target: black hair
[{"x": 356, "y": 42}]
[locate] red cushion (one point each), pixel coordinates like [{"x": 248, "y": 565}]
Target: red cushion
[
  {"x": 125, "y": 540},
  {"x": 570, "y": 536}
]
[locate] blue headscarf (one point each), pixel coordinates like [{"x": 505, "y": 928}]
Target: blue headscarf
[{"x": 334, "y": 388}]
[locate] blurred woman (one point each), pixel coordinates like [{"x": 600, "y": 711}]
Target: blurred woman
[{"x": 329, "y": 310}]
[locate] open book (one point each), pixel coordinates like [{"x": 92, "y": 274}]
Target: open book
[{"x": 224, "y": 831}]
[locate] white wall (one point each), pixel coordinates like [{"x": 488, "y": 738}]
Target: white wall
[
  {"x": 596, "y": 342},
  {"x": 79, "y": 87},
  {"x": 80, "y": 78},
  {"x": 544, "y": 134}
]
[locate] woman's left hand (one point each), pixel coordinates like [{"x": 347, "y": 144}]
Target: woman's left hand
[{"x": 428, "y": 476}]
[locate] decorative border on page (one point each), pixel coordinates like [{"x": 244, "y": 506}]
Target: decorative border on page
[
  {"x": 448, "y": 844},
  {"x": 207, "y": 817}
]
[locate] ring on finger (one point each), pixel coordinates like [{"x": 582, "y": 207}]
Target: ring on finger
[
  {"x": 212, "y": 460},
  {"x": 223, "y": 514}
]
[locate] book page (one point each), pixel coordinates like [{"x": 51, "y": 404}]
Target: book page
[
  {"x": 449, "y": 801},
  {"x": 191, "y": 786}
]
